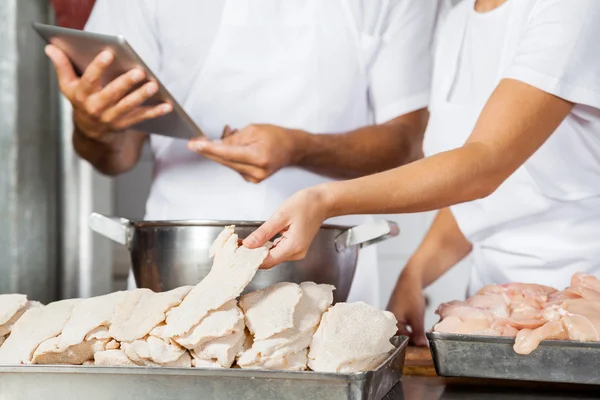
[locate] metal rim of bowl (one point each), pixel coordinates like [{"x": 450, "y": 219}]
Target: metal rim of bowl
[{"x": 216, "y": 223}]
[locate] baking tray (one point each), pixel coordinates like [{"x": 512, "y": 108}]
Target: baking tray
[
  {"x": 559, "y": 361},
  {"x": 38, "y": 382}
]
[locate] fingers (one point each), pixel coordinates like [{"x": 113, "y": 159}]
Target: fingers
[
  {"x": 234, "y": 153},
  {"x": 228, "y": 131},
  {"x": 90, "y": 80},
  {"x": 250, "y": 173},
  {"x": 128, "y": 103},
  {"x": 141, "y": 114},
  {"x": 115, "y": 92},
  {"x": 402, "y": 329},
  {"x": 67, "y": 78},
  {"x": 265, "y": 232},
  {"x": 416, "y": 320}
]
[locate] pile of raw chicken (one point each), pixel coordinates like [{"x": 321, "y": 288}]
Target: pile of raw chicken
[
  {"x": 529, "y": 313},
  {"x": 284, "y": 327}
]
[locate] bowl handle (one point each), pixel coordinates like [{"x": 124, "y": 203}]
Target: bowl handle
[
  {"x": 367, "y": 234},
  {"x": 117, "y": 229}
]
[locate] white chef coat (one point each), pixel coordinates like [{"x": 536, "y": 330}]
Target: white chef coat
[
  {"x": 321, "y": 66},
  {"x": 543, "y": 223}
]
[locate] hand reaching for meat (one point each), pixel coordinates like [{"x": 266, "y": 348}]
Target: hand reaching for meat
[
  {"x": 298, "y": 221},
  {"x": 408, "y": 306}
]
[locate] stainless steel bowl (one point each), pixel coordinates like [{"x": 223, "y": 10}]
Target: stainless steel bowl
[{"x": 169, "y": 254}]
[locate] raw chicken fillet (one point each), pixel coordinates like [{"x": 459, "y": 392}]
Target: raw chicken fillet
[{"x": 530, "y": 313}]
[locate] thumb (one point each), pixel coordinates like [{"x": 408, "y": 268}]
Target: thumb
[{"x": 265, "y": 232}]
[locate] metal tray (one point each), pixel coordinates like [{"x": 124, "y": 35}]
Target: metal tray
[
  {"x": 37, "y": 382},
  {"x": 559, "y": 361}
]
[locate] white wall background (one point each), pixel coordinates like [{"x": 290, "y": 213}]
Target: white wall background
[{"x": 132, "y": 189}]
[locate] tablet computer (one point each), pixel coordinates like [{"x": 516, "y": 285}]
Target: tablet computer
[{"x": 82, "y": 47}]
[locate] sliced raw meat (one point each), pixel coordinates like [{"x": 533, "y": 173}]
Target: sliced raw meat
[
  {"x": 88, "y": 315},
  {"x": 34, "y": 327},
  {"x": 216, "y": 324},
  {"x": 223, "y": 350},
  {"x": 7, "y": 327},
  {"x": 100, "y": 333},
  {"x": 10, "y": 304},
  {"x": 528, "y": 340},
  {"x": 113, "y": 358},
  {"x": 49, "y": 352},
  {"x": 313, "y": 303},
  {"x": 271, "y": 310},
  {"x": 153, "y": 352},
  {"x": 233, "y": 268},
  {"x": 141, "y": 311},
  {"x": 350, "y": 332}
]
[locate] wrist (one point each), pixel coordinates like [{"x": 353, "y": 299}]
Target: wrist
[
  {"x": 323, "y": 195},
  {"x": 301, "y": 145},
  {"x": 413, "y": 273}
]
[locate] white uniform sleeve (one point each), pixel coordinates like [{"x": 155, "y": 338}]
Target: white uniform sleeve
[
  {"x": 135, "y": 21},
  {"x": 559, "y": 50},
  {"x": 400, "y": 74}
]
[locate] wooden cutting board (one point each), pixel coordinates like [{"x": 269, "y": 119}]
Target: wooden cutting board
[{"x": 418, "y": 362}]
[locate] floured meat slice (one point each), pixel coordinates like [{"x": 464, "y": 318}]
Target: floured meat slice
[
  {"x": 113, "y": 358},
  {"x": 209, "y": 364},
  {"x": 7, "y": 327},
  {"x": 313, "y": 303},
  {"x": 89, "y": 315},
  {"x": 290, "y": 362},
  {"x": 49, "y": 352},
  {"x": 2, "y": 339},
  {"x": 34, "y": 327},
  {"x": 233, "y": 268},
  {"x": 153, "y": 352},
  {"x": 10, "y": 304},
  {"x": 224, "y": 349},
  {"x": 216, "y": 324},
  {"x": 100, "y": 333},
  {"x": 351, "y": 333},
  {"x": 141, "y": 311},
  {"x": 270, "y": 311}
]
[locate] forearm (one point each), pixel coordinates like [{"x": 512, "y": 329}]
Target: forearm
[
  {"x": 514, "y": 124},
  {"x": 432, "y": 183},
  {"x": 443, "y": 247},
  {"x": 110, "y": 157},
  {"x": 364, "y": 151}
]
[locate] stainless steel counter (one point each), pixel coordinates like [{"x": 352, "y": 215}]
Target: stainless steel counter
[{"x": 426, "y": 388}]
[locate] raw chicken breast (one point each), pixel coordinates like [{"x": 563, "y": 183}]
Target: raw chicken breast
[
  {"x": 34, "y": 327},
  {"x": 154, "y": 352},
  {"x": 278, "y": 349},
  {"x": 7, "y": 327},
  {"x": 49, "y": 352},
  {"x": 224, "y": 349},
  {"x": 349, "y": 335},
  {"x": 141, "y": 311},
  {"x": 216, "y": 324},
  {"x": 88, "y": 315},
  {"x": 10, "y": 304},
  {"x": 270, "y": 311},
  {"x": 233, "y": 268},
  {"x": 113, "y": 358}
]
